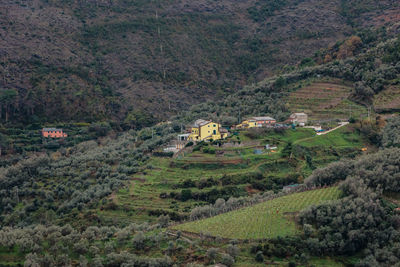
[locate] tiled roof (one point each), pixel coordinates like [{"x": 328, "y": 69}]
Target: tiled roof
[
  {"x": 51, "y": 129},
  {"x": 200, "y": 122}
]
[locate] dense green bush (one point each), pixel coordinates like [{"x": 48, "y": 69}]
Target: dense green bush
[
  {"x": 391, "y": 133},
  {"x": 163, "y": 154},
  {"x": 209, "y": 150},
  {"x": 361, "y": 221}
]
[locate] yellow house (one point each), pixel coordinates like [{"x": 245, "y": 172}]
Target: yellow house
[
  {"x": 247, "y": 124},
  {"x": 256, "y": 122},
  {"x": 207, "y": 130}
]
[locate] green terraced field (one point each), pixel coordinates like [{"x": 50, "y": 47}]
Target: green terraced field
[{"x": 265, "y": 220}]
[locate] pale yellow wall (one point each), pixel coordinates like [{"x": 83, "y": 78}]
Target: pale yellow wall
[
  {"x": 207, "y": 131},
  {"x": 249, "y": 124},
  {"x": 252, "y": 124},
  {"x": 194, "y": 134}
]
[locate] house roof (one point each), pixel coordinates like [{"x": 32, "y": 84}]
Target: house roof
[
  {"x": 51, "y": 129},
  {"x": 200, "y": 122},
  {"x": 266, "y": 118}
]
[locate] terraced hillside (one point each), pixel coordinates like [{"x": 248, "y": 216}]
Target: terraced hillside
[
  {"x": 175, "y": 186},
  {"x": 388, "y": 100},
  {"x": 325, "y": 101},
  {"x": 265, "y": 220}
]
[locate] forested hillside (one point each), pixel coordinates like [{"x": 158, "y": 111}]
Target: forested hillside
[{"x": 141, "y": 61}]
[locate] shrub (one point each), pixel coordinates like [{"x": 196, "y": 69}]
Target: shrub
[
  {"x": 227, "y": 260},
  {"x": 391, "y": 133},
  {"x": 139, "y": 240},
  {"x": 233, "y": 250},
  {"x": 209, "y": 150},
  {"x": 212, "y": 254},
  {"x": 186, "y": 194},
  {"x": 259, "y": 256}
]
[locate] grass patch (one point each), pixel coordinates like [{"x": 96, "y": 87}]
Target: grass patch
[
  {"x": 11, "y": 257},
  {"x": 340, "y": 138}
]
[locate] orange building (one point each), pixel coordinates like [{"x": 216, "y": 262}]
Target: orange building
[{"x": 53, "y": 133}]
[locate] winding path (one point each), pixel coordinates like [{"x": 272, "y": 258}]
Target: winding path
[{"x": 331, "y": 130}]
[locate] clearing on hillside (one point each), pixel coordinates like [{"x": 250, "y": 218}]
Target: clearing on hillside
[
  {"x": 344, "y": 137},
  {"x": 269, "y": 219},
  {"x": 325, "y": 101}
]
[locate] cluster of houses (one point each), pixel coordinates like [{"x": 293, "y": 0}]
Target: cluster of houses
[
  {"x": 296, "y": 118},
  {"x": 207, "y": 130}
]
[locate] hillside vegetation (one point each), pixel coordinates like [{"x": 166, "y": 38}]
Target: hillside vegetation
[
  {"x": 141, "y": 61},
  {"x": 109, "y": 194}
]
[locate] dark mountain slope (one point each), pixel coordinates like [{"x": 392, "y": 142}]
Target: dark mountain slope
[{"x": 140, "y": 60}]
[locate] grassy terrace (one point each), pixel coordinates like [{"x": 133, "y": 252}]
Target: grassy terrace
[
  {"x": 343, "y": 137},
  {"x": 265, "y": 220}
]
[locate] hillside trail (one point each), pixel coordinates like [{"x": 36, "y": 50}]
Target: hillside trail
[{"x": 331, "y": 130}]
